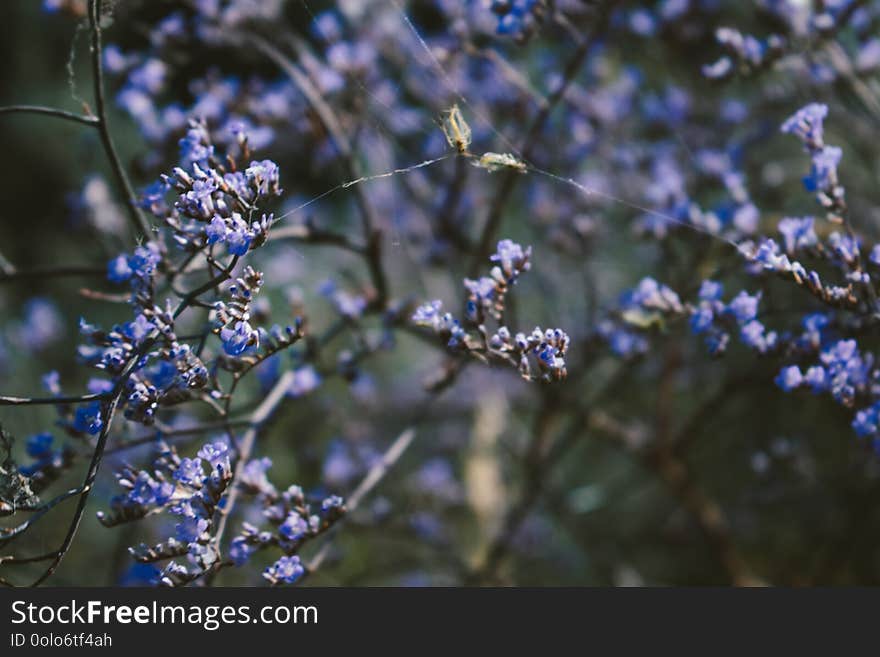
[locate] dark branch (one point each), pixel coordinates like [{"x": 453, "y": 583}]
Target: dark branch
[{"x": 50, "y": 111}]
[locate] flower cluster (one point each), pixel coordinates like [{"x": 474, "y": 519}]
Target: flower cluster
[
  {"x": 191, "y": 489},
  {"x": 217, "y": 203},
  {"x": 807, "y": 125},
  {"x": 487, "y": 300},
  {"x": 147, "y": 358},
  {"x": 744, "y": 54},
  {"x": 290, "y": 517}
]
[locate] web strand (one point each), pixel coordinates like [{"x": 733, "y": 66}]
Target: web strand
[
  {"x": 526, "y": 167},
  {"x": 364, "y": 179}
]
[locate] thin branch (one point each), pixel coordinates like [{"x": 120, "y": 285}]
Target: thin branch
[
  {"x": 368, "y": 483},
  {"x": 6, "y": 535},
  {"x": 330, "y": 122},
  {"x": 51, "y": 111},
  {"x": 86, "y": 488},
  {"x": 16, "y": 274},
  {"x": 262, "y": 413},
  {"x": 137, "y": 218},
  {"x": 310, "y": 234},
  {"x": 19, "y": 561},
  {"x": 25, "y": 401},
  {"x": 149, "y": 438}
]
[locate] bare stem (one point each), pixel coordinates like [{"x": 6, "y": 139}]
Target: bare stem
[
  {"x": 331, "y": 123},
  {"x": 368, "y": 483},
  {"x": 50, "y": 111},
  {"x": 86, "y": 488},
  {"x": 140, "y": 223}
]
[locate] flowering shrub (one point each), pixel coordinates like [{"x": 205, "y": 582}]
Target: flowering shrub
[{"x": 301, "y": 345}]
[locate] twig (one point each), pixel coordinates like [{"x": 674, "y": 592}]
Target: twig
[
  {"x": 328, "y": 119},
  {"x": 137, "y": 218},
  {"x": 51, "y": 272},
  {"x": 24, "y": 401},
  {"x": 6, "y": 535},
  {"x": 50, "y": 111},
  {"x": 368, "y": 483},
  {"x": 312, "y": 235},
  {"x": 262, "y": 413},
  {"x": 86, "y": 487}
]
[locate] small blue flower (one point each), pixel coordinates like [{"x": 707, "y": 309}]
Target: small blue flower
[
  {"x": 146, "y": 490},
  {"x": 217, "y": 454},
  {"x": 286, "y": 569},
  {"x": 823, "y": 173},
  {"x": 806, "y": 123},
  {"x": 216, "y": 231},
  {"x": 294, "y": 527},
  {"x": 710, "y": 291},
  {"x": 238, "y": 241},
  {"x": 789, "y": 378},
  {"x": 190, "y": 472},
  {"x": 866, "y": 421},
  {"x": 305, "y": 380},
  {"x": 701, "y": 319},
  {"x": 744, "y": 307},
  {"x": 39, "y": 445},
  {"x": 238, "y": 339},
  {"x": 99, "y": 386},
  {"x": 190, "y": 529},
  {"x": 797, "y": 233},
  {"x": 331, "y": 503},
  {"x": 118, "y": 269},
  {"x": 87, "y": 418},
  {"x": 52, "y": 382},
  {"x": 138, "y": 329},
  {"x": 816, "y": 378},
  {"x": 253, "y": 475},
  {"x": 240, "y": 551}
]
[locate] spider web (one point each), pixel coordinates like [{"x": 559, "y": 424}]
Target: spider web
[{"x": 431, "y": 61}]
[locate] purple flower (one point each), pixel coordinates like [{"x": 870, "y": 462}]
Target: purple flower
[
  {"x": 52, "y": 383},
  {"x": 789, "y": 378},
  {"x": 99, "y": 386},
  {"x": 88, "y": 418},
  {"x": 806, "y": 123},
  {"x": 39, "y": 445},
  {"x": 237, "y": 340},
  {"x": 710, "y": 290},
  {"x": 216, "y": 231},
  {"x": 294, "y": 527},
  {"x": 823, "y": 173},
  {"x": 744, "y": 307},
  {"x": 797, "y": 234},
  {"x": 286, "y": 569},
  {"x": 190, "y": 472},
  {"x": 866, "y": 421},
  {"x": 146, "y": 490},
  {"x": 138, "y": 329},
  {"x": 240, "y": 551},
  {"x": 217, "y": 454},
  {"x": 118, "y": 269},
  {"x": 305, "y": 380},
  {"x": 253, "y": 475},
  {"x": 190, "y": 529}
]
